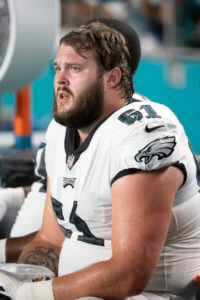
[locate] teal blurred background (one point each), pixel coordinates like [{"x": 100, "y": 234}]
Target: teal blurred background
[
  {"x": 152, "y": 80},
  {"x": 166, "y": 73}
]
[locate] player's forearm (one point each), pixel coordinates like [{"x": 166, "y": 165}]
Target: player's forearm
[
  {"x": 104, "y": 280},
  {"x": 42, "y": 253}
]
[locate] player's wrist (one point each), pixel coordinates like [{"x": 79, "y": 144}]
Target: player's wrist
[
  {"x": 3, "y": 251},
  {"x": 35, "y": 290}
]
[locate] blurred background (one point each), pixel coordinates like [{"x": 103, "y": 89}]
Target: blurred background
[{"x": 169, "y": 71}]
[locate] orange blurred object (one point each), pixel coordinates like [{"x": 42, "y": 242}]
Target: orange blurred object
[
  {"x": 197, "y": 279},
  {"x": 22, "y": 121}
]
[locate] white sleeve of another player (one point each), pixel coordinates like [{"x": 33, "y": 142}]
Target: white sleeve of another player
[
  {"x": 2, "y": 251},
  {"x": 29, "y": 218},
  {"x": 10, "y": 198}
]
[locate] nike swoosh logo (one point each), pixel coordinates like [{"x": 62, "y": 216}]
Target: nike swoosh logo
[{"x": 150, "y": 129}]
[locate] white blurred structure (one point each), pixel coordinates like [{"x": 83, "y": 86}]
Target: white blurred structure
[{"x": 27, "y": 40}]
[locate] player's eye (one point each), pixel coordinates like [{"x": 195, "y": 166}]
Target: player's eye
[
  {"x": 56, "y": 68},
  {"x": 75, "y": 68}
]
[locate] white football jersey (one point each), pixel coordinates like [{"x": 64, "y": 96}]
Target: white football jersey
[{"x": 142, "y": 135}]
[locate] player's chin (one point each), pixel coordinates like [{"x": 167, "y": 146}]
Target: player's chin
[
  {"x": 61, "y": 111},
  {"x": 62, "y": 116}
]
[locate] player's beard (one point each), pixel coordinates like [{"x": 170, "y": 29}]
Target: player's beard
[{"x": 88, "y": 107}]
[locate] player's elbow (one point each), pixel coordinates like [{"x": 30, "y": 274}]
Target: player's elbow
[
  {"x": 129, "y": 281},
  {"x": 133, "y": 284},
  {"x": 131, "y": 275}
]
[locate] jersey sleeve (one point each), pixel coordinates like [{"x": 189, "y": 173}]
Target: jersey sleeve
[{"x": 151, "y": 145}]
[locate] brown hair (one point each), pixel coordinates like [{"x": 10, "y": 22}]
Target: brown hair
[
  {"x": 130, "y": 35},
  {"x": 109, "y": 47}
]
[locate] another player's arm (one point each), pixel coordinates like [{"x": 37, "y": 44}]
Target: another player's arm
[
  {"x": 142, "y": 205},
  {"x": 44, "y": 249},
  {"x": 14, "y": 246}
]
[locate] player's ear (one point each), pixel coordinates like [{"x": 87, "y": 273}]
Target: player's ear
[{"x": 114, "y": 77}]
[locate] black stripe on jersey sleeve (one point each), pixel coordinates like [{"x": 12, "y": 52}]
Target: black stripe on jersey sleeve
[
  {"x": 124, "y": 173},
  {"x": 182, "y": 168}
]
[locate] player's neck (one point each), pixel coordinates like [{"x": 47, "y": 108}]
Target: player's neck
[{"x": 84, "y": 132}]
